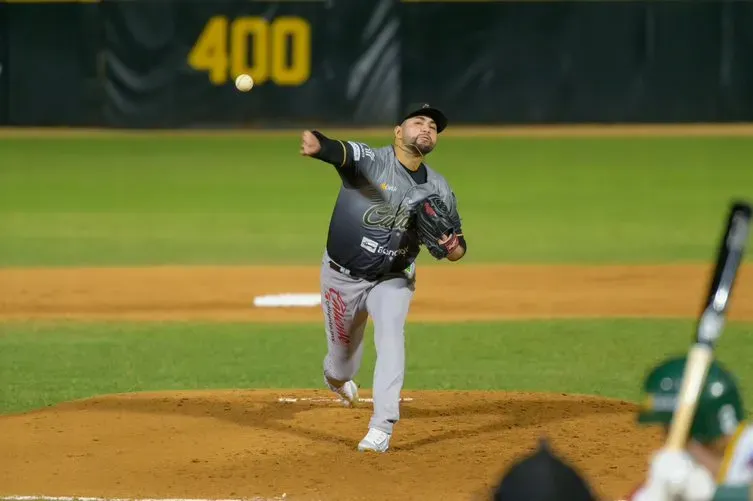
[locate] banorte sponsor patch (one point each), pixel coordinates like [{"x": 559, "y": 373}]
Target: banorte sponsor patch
[{"x": 336, "y": 311}]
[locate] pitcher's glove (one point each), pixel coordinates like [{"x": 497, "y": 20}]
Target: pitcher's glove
[{"x": 435, "y": 227}]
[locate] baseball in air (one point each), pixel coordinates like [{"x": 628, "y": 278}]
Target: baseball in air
[{"x": 244, "y": 83}]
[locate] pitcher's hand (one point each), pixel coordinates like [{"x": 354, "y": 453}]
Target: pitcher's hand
[{"x": 310, "y": 145}]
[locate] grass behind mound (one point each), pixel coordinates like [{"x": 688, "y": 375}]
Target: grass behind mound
[
  {"x": 46, "y": 363},
  {"x": 237, "y": 200}
]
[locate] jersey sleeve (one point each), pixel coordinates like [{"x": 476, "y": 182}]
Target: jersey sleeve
[
  {"x": 358, "y": 162},
  {"x": 351, "y": 159},
  {"x": 360, "y": 157}
]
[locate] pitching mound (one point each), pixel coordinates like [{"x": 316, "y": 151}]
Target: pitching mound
[{"x": 242, "y": 444}]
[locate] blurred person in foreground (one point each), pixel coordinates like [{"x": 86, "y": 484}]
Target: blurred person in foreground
[
  {"x": 717, "y": 463},
  {"x": 542, "y": 476}
]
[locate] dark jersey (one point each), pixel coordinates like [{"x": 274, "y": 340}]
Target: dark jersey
[{"x": 372, "y": 230}]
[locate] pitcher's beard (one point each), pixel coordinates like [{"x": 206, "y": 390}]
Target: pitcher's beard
[{"x": 421, "y": 148}]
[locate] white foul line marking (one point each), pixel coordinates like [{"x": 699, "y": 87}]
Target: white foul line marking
[{"x": 292, "y": 400}]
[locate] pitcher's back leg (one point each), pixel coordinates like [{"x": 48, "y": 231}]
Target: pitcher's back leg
[{"x": 388, "y": 305}]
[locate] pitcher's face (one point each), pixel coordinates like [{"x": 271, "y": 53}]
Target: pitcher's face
[{"x": 420, "y": 131}]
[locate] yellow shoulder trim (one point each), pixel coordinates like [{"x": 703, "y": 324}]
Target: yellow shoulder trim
[
  {"x": 729, "y": 452},
  {"x": 345, "y": 153}
]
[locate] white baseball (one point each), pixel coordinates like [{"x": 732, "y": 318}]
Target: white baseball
[{"x": 244, "y": 83}]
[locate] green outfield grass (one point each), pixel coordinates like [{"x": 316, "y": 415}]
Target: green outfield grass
[
  {"x": 46, "y": 363},
  {"x": 237, "y": 200},
  {"x": 251, "y": 200}
]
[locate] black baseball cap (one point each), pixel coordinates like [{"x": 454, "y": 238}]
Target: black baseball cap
[
  {"x": 428, "y": 110},
  {"x": 542, "y": 477}
]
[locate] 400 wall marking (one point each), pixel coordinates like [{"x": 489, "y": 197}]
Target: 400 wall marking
[{"x": 279, "y": 50}]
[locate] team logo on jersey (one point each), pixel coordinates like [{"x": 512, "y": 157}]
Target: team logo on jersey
[
  {"x": 383, "y": 216},
  {"x": 388, "y": 187}
]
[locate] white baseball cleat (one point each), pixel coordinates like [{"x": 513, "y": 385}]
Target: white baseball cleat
[
  {"x": 348, "y": 393},
  {"x": 375, "y": 441}
]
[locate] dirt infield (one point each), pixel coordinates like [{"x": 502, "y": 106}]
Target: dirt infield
[
  {"x": 229, "y": 445},
  {"x": 444, "y": 293},
  {"x": 242, "y": 444}
]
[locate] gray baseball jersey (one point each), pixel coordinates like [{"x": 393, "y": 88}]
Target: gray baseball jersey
[{"x": 371, "y": 232}]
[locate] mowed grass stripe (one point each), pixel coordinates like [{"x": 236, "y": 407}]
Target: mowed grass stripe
[
  {"x": 45, "y": 363},
  {"x": 239, "y": 200}
]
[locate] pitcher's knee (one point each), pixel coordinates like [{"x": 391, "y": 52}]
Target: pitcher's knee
[
  {"x": 389, "y": 320},
  {"x": 390, "y": 338}
]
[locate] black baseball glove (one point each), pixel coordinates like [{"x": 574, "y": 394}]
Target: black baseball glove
[{"x": 435, "y": 224}]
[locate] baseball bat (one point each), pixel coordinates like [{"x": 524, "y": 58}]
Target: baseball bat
[{"x": 710, "y": 323}]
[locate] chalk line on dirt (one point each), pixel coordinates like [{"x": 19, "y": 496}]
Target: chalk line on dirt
[{"x": 292, "y": 400}]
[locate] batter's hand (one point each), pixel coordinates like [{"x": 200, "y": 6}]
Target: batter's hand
[
  {"x": 310, "y": 145},
  {"x": 674, "y": 475}
]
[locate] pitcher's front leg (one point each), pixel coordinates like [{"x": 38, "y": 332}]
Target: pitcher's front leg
[
  {"x": 344, "y": 322},
  {"x": 388, "y": 304}
]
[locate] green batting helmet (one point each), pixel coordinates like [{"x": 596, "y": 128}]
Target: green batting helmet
[{"x": 720, "y": 407}]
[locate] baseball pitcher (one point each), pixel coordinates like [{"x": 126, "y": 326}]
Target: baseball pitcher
[
  {"x": 718, "y": 461},
  {"x": 390, "y": 202}
]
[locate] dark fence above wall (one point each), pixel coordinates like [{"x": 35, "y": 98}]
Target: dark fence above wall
[
  {"x": 172, "y": 63},
  {"x": 534, "y": 62},
  {"x": 51, "y": 63},
  {"x": 3, "y": 65}
]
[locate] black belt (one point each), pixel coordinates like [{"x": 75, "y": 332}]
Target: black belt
[
  {"x": 346, "y": 271},
  {"x": 338, "y": 268}
]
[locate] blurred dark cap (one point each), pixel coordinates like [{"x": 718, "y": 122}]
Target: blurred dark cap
[
  {"x": 425, "y": 109},
  {"x": 542, "y": 476}
]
